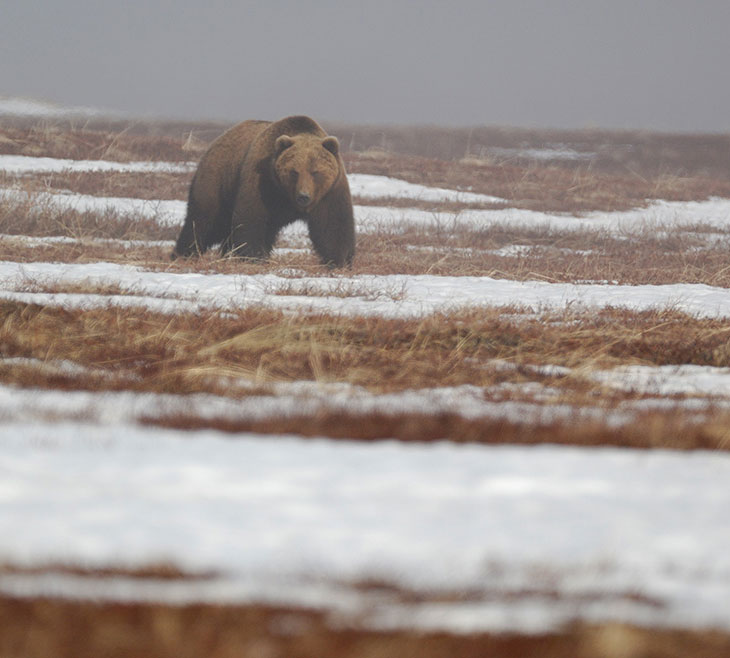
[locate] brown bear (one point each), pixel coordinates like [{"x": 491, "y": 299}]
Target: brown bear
[{"x": 260, "y": 176}]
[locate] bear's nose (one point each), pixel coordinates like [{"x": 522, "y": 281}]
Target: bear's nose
[{"x": 303, "y": 199}]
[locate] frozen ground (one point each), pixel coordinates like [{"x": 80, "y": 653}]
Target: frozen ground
[
  {"x": 599, "y": 533},
  {"x": 362, "y": 185},
  {"x": 514, "y": 538},
  {"x": 369, "y": 186},
  {"x": 23, "y": 164},
  {"x": 387, "y": 295},
  {"x": 658, "y": 215}
]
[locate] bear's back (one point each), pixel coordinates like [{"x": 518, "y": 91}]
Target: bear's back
[
  {"x": 219, "y": 168},
  {"x": 296, "y": 125}
]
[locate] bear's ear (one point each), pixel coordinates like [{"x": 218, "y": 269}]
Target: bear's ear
[
  {"x": 282, "y": 143},
  {"x": 331, "y": 144}
]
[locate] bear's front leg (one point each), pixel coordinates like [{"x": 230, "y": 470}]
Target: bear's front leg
[
  {"x": 332, "y": 231},
  {"x": 251, "y": 235}
]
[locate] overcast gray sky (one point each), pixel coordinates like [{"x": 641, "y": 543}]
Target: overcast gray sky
[{"x": 653, "y": 64}]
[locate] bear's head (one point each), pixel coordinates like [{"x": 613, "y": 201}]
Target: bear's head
[{"x": 306, "y": 166}]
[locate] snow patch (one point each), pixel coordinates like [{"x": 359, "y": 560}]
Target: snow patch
[
  {"x": 388, "y": 295},
  {"x": 373, "y": 187},
  {"x": 619, "y": 534},
  {"x": 686, "y": 379},
  {"x": 22, "y": 164}
]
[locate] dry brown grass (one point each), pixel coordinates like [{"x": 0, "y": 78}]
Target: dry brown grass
[
  {"x": 150, "y": 186},
  {"x": 627, "y": 152},
  {"x": 33, "y": 215},
  {"x": 676, "y": 429},
  {"x": 84, "y": 250},
  {"x": 134, "y": 349},
  {"x": 380, "y": 354},
  {"x": 648, "y": 258},
  {"x": 158, "y": 353},
  {"x": 340, "y": 289},
  {"x": 633, "y": 152},
  {"x": 42, "y": 627},
  {"x": 159, "y": 571},
  {"x": 122, "y": 143},
  {"x": 628, "y": 168},
  {"x": 545, "y": 187}
]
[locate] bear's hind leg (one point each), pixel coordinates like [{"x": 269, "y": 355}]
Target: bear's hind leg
[
  {"x": 186, "y": 244},
  {"x": 192, "y": 238}
]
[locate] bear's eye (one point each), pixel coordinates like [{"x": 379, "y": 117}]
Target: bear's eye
[{"x": 293, "y": 175}]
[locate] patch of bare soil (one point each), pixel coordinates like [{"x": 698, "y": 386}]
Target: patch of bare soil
[{"x": 55, "y": 628}]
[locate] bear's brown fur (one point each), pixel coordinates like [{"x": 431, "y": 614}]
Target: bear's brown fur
[{"x": 260, "y": 176}]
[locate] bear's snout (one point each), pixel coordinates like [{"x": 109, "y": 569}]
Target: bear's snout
[{"x": 303, "y": 199}]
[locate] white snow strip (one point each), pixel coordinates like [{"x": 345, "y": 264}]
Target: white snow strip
[
  {"x": 22, "y": 164},
  {"x": 284, "y": 400},
  {"x": 389, "y": 295},
  {"x": 164, "y": 212},
  {"x": 553, "y": 152},
  {"x": 60, "y": 367},
  {"x": 373, "y": 187},
  {"x": 44, "y": 241},
  {"x": 88, "y": 301},
  {"x": 264, "y": 400},
  {"x": 659, "y": 215},
  {"x": 630, "y": 535},
  {"x": 362, "y": 185},
  {"x": 684, "y": 379}
]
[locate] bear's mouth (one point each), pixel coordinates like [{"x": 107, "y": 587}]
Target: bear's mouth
[{"x": 303, "y": 200}]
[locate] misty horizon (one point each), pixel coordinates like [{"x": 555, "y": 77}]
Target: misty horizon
[{"x": 650, "y": 65}]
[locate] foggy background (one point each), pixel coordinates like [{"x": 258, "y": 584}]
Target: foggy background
[{"x": 648, "y": 64}]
